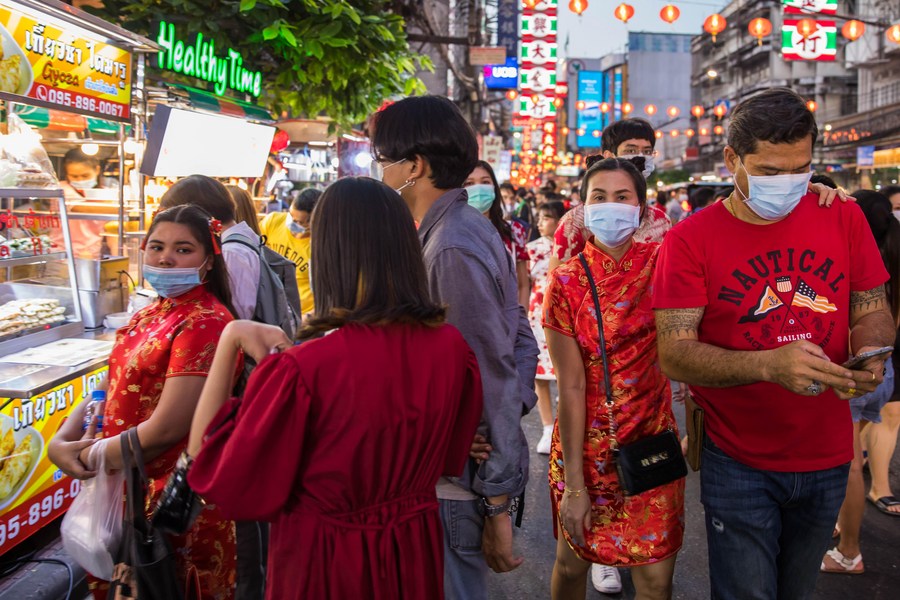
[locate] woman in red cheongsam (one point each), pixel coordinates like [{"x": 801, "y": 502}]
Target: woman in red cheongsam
[
  {"x": 599, "y": 523},
  {"x": 156, "y": 371}
]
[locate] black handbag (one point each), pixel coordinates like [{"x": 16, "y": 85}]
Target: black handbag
[
  {"x": 145, "y": 566},
  {"x": 651, "y": 461}
]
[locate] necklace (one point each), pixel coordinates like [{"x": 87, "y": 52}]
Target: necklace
[{"x": 729, "y": 207}]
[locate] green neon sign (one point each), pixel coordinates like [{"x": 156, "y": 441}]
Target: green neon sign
[{"x": 198, "y": 59}]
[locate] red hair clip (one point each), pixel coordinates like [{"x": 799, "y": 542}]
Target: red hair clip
[{"x": 215, "y": 229}]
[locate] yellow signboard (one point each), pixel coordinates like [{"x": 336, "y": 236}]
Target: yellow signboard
[
  {"x": 33, "y": 491},
  {"x": 63, "y": 66}
]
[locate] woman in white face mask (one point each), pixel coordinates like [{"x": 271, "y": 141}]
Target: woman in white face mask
[
  {"x": 484, "y": 195},
  {"x": 597, "y": 523}
]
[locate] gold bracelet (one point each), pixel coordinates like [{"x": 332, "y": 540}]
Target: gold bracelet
[{"x": 575, "y": 493}]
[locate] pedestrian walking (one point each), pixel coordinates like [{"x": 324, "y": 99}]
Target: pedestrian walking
[
  {"x": 758, "y": 299},
  {"x": 340, "y": 441},
  {"x": 425, "y": 149}
]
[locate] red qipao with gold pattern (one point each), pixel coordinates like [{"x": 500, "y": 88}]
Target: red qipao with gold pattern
[
  {"x": 648, "y": 527},
  {"x": 173, "y": 337}
]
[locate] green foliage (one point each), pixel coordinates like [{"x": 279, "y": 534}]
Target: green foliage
[
  {"x": 336, "y": 58},
  {"x": 669, "y": 176}
]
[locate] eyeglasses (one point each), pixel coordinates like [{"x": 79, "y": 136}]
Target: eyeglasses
[
  {"x": 645, "y": 153},
  {"x": 376, "y": 170},
  {"x": 639, "y": 161}
]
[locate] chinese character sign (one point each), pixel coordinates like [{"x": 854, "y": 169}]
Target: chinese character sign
[
  {"x": 508, "y": 26},
  {"x": 807, "y": 7},
  {"x": 60, "y": 65},
  {"x": 537, "y": 60},
  {"x": 819, "y": 45}
]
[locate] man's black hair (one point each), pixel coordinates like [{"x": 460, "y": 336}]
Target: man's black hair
[
  {"x": 890, "y": 190},
  {"x": 624, "y": 130},
  {"x": 431, "y": 127},
  {"x": 777, "y": 116},
  {"x": 702, "y": 197},
  {"x": 508, "y": 186},
  {"x": 306, "y": 200}
]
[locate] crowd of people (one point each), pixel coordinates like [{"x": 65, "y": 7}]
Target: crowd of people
[{"x": 378, "y": 440}]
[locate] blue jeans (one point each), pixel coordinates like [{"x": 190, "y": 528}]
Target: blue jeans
[
  {"x": 465, "y": 572},
  {"x": 767, "y": 531}
]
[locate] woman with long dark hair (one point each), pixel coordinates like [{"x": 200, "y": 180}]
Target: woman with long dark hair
[
  {"x": 484, "y": 194},
  {"x": 156, "y": 370},
  {"x": 340, "y": 441}
]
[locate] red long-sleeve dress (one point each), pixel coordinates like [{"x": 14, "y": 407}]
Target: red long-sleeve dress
[{"x": 339, "y": 443}]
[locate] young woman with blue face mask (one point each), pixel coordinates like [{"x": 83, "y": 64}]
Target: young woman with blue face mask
[
  {"x": 596, "y": 522},
  {"x": 157, "y": 368},
  {"x": 484, "y": 195}
]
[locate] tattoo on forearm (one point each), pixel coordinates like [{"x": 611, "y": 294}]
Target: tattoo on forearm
[
  {"x": 873, "y": 299},
  {"x": 680, "y": 322}
]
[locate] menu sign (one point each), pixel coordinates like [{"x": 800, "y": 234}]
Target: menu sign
[{"x": 63, "y": 66}]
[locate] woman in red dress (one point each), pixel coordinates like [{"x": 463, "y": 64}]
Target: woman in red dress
[
  {"x": 339, "y": 442},
  {"x": 156, "y": 371},
  {"x": 484, "y": 194},
  {"x": 599, "y": 523}
]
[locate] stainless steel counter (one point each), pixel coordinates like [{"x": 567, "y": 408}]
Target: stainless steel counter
[{"x": 25, "y": 381}]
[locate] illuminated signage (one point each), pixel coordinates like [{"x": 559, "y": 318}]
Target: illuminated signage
[
  {"x": 199, "y": 59},
  {"x": 537, "y": 59},
  {"x": 502, "y": 77},
  {"x": 589, "y": 116},
  {"x": 824, "y": 7},
  {"x": 819, "y": 44}
]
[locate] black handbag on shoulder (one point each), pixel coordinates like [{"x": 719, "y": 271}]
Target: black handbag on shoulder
[
  {"x": 651, "y": 461},
  {"x": 145, "y": 567}
]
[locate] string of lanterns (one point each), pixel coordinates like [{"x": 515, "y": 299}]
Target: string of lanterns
[{"x": 715, "y": 23}]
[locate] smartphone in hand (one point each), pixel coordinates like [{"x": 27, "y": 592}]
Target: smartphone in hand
[{"x": 857, "y": 361}]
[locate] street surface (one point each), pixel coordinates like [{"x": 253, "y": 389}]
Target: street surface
[{"x": 880, "y": 543}]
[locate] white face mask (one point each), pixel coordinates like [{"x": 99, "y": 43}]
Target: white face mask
[
  {"x": 773, "y": 197},
  {"x": 86, "y": 184},
  {"x": 612, "y": 223},
  {"x": 649, "y": 166},
  {"x": 897, "y": 214}
]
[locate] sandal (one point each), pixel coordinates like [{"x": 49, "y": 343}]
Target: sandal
[
  {"x": 835, "y": 562},
  {"x": 884, "y": 503}
]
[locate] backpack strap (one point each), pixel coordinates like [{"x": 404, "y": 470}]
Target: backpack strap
[{"x": 239, "y": 239}]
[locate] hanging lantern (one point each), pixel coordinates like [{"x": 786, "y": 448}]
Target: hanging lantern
[
  {"x": 578, "y": 6},
  {"x": 582, "y": 131},
  {"x": 535, "y": 99},
  {"x": 627, "y": 108},
  {"x": 673, "y": 111},
  {"x": 604, "y": 107},
  {"x": 596, "y": 133},
  {"x": 720, "y": 110},
  {"x": 565, "y": 130},
  {"x": 512, "y": 95},
  {"x": 807, "y": 27},
  {"x": 557, "y": 102},
  {"x": 853, "y": 30},
  {"x": 624, "y": 12},
  {"x": 812, "y": 106},
  {"x": 669, "y": 13},
  {"x": 650, "y": 109},
  {"x": 674, "y": 133},
  {"x": 580, "y": 105},
  {"x": 718, "y": 130},
  {"x": 893, "y": 33},
  {"x": 760, "y": 28},
  {"x": 704, "y": 131},
  {"x": 689, "y": 133},
  {"x": 659, "y": 135},
  {"x": 697, "y": 111},
  {"x": 714, "y": 25},
  {"x": 530, "y": 3}
]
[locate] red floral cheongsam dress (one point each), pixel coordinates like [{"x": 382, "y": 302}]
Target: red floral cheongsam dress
[
  {"x": 538, "y": 265},
  {"x": 516, "y": 245},
  {"x": 648, "y": 527},
  {"x": 172, "y": 337}
]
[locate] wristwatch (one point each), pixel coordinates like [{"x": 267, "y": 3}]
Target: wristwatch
[{"x": 493, "y": 510}]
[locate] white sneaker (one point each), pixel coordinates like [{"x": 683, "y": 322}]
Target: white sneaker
[
  {"x": 543, "y": 446},
  {"x": 606, "y": 580}
]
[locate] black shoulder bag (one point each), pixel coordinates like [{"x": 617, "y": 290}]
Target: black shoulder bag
[{"x": 649, "y": 462}]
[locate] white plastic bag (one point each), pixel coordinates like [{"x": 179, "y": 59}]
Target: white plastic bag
[{"x": 92, "y": 529}]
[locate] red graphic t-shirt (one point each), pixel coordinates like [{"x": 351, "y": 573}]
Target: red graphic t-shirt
[{"x": 763, "y": 287}]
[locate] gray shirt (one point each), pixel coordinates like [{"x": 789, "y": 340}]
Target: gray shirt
[{"x": 470, "y": 271}]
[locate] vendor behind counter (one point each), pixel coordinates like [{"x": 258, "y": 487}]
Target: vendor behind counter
[{"x": 81, "y": 173}]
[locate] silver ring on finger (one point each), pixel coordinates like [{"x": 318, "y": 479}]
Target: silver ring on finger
[{"x": 814, "y": 388}]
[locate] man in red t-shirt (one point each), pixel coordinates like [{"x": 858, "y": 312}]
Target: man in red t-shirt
[{"x": 758, "y": 299}]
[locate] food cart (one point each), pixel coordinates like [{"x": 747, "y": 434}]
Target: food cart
[{"x": 59, "y": 64}]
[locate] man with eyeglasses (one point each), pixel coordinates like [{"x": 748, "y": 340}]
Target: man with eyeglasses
[{"x": 632, "y": 139}]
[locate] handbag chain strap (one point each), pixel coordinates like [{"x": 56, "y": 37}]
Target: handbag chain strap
[{"x": 613, "y": 425}]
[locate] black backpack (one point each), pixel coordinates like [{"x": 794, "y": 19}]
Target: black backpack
[{"x": 277, "y": 299}]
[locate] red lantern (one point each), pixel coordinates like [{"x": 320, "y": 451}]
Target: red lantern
[
  {"x": 673, "y": 111},
  {"x": 806, "y": 27},
  {"x": 704, "y": 131},
  {"x": 624, "y": 12},
  {"x": 669, "y": 13},
  {"x": 720, "y": 110},
  {"x": 659, "y": 135},
  {"x": 689, "y": 133},
  {"x": 674, "y": 133},
  {"x": 565, "y": 130},
  {"x": 580, "y": 105},
  {"x": 627, "y": 108},
  {"x": 650, "y": 109},
  {"x": 760, "y": 28},
  {"x": 578, "y": 6},
  {"x": 812, "y": 106},
  {"x": 604, "y": 107},
  {"x": 596, "y": 133},
  {"x": 853, "y": 30},
  {"x": 718, "y": 130},
  {"x": 280, "y": 141},
  {"x": 714, "y": 24},
  {"x": 530, "y": 3},
  {"x": 512, "y": 95},
  {"x": 893, "y": 33},
  {"x": 557, "y": 102},
  {"x": 698, "y": 111}
]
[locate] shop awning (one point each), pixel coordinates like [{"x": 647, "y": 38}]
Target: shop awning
[
  {"x": 57, "y": 120},
  {"x": 204, "y": 100}
]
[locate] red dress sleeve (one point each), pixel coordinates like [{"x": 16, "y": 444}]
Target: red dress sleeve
[
  {"x": 568, "y": 240},
  {"x": 520, "y": 235},
  {"x": 195, "y": 345},
  {"x": 468, "y": 416},
  {"x": 247, "y": 467}
]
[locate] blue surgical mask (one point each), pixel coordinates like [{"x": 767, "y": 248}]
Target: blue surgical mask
[
  {"x": 612, "y": 223},
  {"x": 773, "y": 197},
  {"x": 171, "y": 283},
  {"x": 481, "y": 196}
]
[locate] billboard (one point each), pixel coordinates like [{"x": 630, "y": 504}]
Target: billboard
[
  {"x": 589, "y": 117},
  {"x": 502, "y": 77}
]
